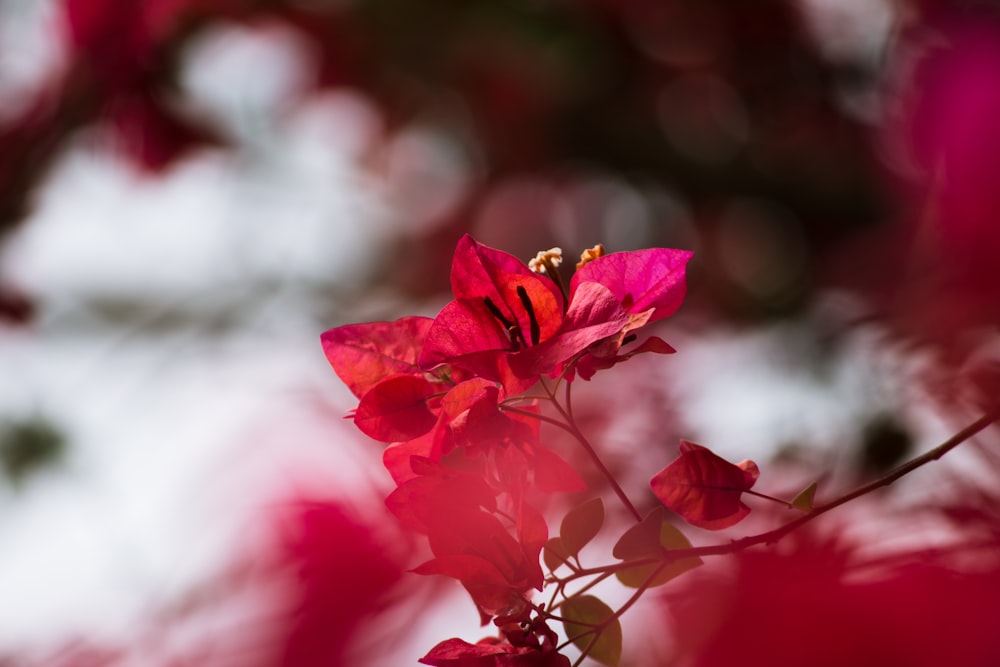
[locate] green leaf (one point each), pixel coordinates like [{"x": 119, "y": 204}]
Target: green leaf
[
  {"x": 804, "y": 501},
  {"x": 581, "y": 525},
  {"x": 554, "y": 553},
  {"x": 642, "y": 539},
  {"x": 591, "y": 625},
  {"x": 653, "y": 537}
]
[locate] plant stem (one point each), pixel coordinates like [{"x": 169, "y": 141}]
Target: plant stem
[
  {"x": 569, "y": 400},
  {"x": 599, "y": 628},
  {"x": 539, "y": 417},
  {"x": 901, "y": 471},
  {"x": 772, "y": 536},
  {"x": 570, "y": 423},
  {"x": 602, "y": 575},
  {"x": 767, "y": 497}
]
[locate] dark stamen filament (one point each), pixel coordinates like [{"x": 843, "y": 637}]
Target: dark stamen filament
[
  {"x": 492, "y": 307},
  {"x": 553, "y": 272},
  {"x": 512, "y": 329},
  {"x": 536, "y": 332}
]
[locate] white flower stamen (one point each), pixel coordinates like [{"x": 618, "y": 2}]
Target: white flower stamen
[{"x": 545, "y": 260}]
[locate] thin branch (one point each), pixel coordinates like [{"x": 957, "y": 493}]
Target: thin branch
[
  {"x": 772, "y": 536},
  {"x": 890, "y": 477},
  {"x": 571, "y": 428},
  {"x": 540, "y": 417},
  {"x": 569, "y": 400},
  {"x": 582, "y": 439}
]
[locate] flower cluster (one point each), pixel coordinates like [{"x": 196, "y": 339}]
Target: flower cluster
[{"x": 464, "y": 444}]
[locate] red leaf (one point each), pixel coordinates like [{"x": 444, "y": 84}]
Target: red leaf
[
  {"x": 396, "y": 409},
  {"x": 704, "y": 488}
]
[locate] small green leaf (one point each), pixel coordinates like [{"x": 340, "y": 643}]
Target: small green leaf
[
  {"x": 657, "y": 574},
  {"x": 591, "y": 625},
  {"x": 654, "y": 537},
  {"x": 804, "y": 501},
  {"x": 554, "y": 553},
  {"x": 642, "y": 539},
  {"x": 581, "y": 525}
]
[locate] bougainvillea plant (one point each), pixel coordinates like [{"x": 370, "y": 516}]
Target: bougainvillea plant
[{"x": 461, "y": 400}]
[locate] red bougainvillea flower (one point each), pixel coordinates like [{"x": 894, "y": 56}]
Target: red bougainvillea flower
[
  {"x": 614, "y": 294},
  {"x": 508, "y": 323},
  {"x": 492, "y": 653},
  {"x": 501, "y": 307},
  {"x": 704, "y": 488}
]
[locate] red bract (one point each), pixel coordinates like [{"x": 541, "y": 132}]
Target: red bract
[
  {"x": 473, "y": 546},
  {"x": 507, "y": 324},
  {"x": 642, "y": 280},
  {"x": 505, "y": 445},
  {"x": 397, "y": 409},
  {"x": 594, "y": 315},
  {"x": 648, "y": 285},
  {"x": 471, "y": 430},
  {"x": 606, "y": 356},
  {"x": 377, "y": 361},
  {"x": 363, "y": 355},
  {"x": 803, "y": 604},
  {"x": 427, "y": 498},
  {"x": 496, "y": 560},
  {"x": 500, "y": 308},
  {"x": 471, "y": 418},
  {"x": 491, "y": 653},
  {"x": 704, "y": 488}
]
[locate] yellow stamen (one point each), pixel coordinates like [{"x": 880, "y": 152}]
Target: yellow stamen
[{"x": 590, "y": 254}]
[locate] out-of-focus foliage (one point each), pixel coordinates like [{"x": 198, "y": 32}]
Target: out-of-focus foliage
[
  {"x": 623, "y": 120},
  {"x": 28, "y": 446}
]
